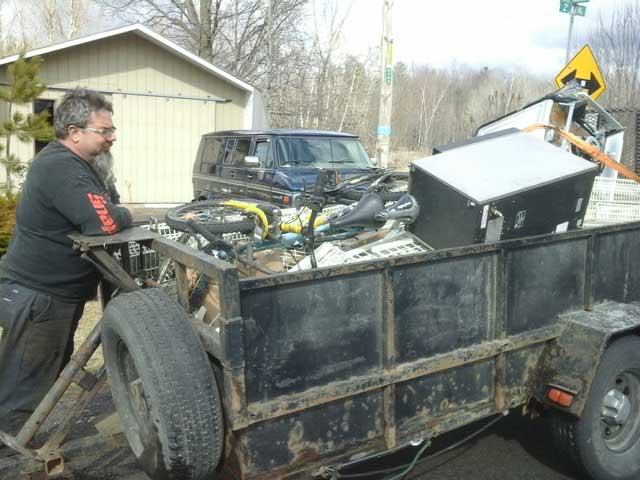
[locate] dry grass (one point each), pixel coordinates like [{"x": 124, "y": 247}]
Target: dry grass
[
  {"x": 402, "y": 159},
  {"x": 92, "y": 314}
]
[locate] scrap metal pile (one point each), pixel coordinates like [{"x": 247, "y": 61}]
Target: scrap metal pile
[
  {"x": 262, "y": 238},
  {"x": 528, "y": 173}
]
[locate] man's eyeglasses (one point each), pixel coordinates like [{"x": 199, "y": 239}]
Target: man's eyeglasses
[{"x": 105, "y": 132}]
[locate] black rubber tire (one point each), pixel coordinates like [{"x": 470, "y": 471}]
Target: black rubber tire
[
  {"x": 386, "y": 196},
  {"x": 387, "y": 190},
  {"x": 199, "y": 292},
  {"x": 214, "y": 217},
  {"x": 163, "y": 386},
  {"x": 583, "y": 439}
]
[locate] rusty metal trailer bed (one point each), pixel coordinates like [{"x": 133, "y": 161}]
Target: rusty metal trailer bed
[{"x": 320, "y": 367}]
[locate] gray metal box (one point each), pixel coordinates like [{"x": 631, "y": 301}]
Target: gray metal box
[{"x": 505, "y": 187}]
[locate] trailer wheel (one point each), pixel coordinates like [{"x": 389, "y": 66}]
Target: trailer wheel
[
  {"x": 605, "y": 440},
  {"x": 163, "y": 386}
]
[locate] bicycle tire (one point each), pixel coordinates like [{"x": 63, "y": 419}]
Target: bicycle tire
[
  {"x": 211, "y": 215},
  {"x": 386, "y": 196},
  {"x": 390, "y": 190}
]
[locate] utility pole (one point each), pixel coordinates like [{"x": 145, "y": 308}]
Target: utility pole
[
  {"x": 267, "y": 100},
  {"x": 383, "y": 145},
  {"x": 566, "y": 57},
  {"x": 573, "y": 8}
]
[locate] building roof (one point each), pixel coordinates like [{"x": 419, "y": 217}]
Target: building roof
[{"x": 147, "y": 34}]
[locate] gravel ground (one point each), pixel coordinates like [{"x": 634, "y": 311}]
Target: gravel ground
[{"x": 84, "y": 424}]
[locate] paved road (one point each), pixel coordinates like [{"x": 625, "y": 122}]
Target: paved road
[{"x": 515, "y": 448}]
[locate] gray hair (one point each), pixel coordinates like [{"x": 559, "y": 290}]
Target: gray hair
[{"x": 75, "y": 108}]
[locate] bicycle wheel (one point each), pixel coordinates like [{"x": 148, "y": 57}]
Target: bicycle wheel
[{"x": 214, "y": 217}]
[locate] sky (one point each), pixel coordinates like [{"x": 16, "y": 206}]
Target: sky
[{"x": 514, "y": 34}]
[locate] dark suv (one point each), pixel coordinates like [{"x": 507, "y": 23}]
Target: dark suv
[{"x": 273, "y": 165}]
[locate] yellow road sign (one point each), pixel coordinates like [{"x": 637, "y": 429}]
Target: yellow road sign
[{"x": 584, "y": 68}]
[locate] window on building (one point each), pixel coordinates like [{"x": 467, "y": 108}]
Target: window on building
[{"x": 42, "y": 105}]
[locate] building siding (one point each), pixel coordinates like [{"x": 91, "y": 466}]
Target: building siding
[
  {"x": 131, "y": 63},
  {"x": 162, "y": 105},
  {"x": 153, "y": 156}
]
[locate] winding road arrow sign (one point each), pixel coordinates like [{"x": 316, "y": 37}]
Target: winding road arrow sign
[{"x": 584, "y": 68}]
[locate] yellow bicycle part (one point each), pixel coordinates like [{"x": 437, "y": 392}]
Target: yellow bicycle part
[
  {"x": 297, "y": 225},
  {"x": 292, "y": 226},
  {"x": 251, "y": 208}
]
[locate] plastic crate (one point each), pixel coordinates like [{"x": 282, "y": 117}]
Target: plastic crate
[
  {"x": 404, "y": 246},
  {"x": 395, "y": 244},
  {"x": 326, "y": 256},
  {"x": 613, "y": 200}
]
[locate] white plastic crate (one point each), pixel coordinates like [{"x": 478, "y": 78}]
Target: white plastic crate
[
  {"x": 397, "y": 243},
  {"x": 404, "y": 246},
  {"x": 613, "y": 200},
  {"x": 359, "y": 255},
  {"x": 326, "y": 255}
]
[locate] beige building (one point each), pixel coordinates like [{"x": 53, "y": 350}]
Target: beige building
[{"x": 164, "y": 99}]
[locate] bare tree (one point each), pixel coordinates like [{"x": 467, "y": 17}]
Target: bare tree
[
  {"x": 615, "y": 42},
  {"x": 230, "y": 33},
  {"x": 48, "y": 21},
  {"x": 10, "y": 43},
  {"x": 326, "y": 42}
]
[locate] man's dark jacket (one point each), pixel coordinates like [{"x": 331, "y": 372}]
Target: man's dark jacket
[{"x": 62, "y": 194}]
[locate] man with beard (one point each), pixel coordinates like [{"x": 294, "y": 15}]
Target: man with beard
[{"x": 44, "y": 284}]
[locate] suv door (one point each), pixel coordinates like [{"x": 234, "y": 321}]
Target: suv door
[
  {"x": 232, "y": 167},
  {"x": 259, "y": 178}
]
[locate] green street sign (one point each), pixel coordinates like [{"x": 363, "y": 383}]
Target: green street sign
[{"x": 573, "y": 7}]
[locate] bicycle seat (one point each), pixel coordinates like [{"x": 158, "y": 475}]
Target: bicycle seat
[
  {"x": 404, "y": 210},
  {"x": 363, "y": 214}
]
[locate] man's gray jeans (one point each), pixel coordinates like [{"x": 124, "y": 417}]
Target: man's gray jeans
[{"x": 36, "y": 343}]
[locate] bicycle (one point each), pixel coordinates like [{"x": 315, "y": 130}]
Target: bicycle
[{"x": 213, "y": 218}]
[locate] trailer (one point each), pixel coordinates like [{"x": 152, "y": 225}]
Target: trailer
[{"x": 301, "y": 374}]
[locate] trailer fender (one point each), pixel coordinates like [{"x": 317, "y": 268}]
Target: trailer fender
[{"x": 572, "y": 359}]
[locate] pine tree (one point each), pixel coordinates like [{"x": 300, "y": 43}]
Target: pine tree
[{"x": 24, "y": 87}]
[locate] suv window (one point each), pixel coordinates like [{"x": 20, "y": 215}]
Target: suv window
[
  {"x": 241, "y": 150},
  {"x": 262, "y": 152},
  {"x": 211, "y": 155},
  {"x": 348, "y": 151},
  {"x": 321, "y": 152},
  {"x": 228, "y": 150},
  {"x": 235, "y": 150}
]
